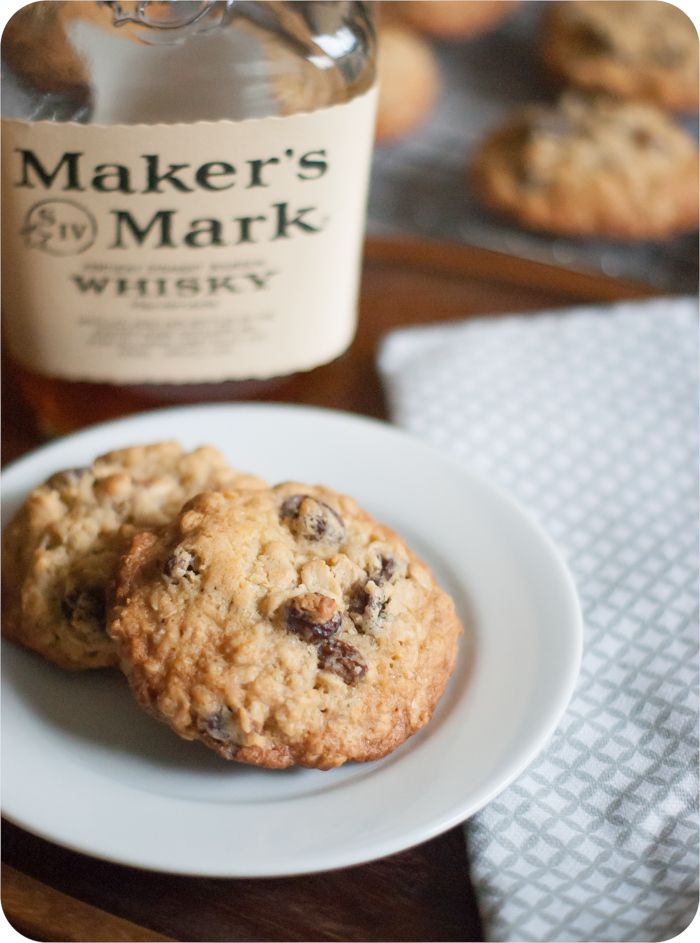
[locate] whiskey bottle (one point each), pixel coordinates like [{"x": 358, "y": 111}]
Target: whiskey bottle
[{"x": 184, "y": 193}]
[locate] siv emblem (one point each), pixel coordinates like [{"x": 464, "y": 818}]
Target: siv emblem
[{"x": 59, "y": 227}]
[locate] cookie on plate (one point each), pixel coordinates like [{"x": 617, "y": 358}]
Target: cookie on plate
[
  {"x": 592, "y": 167},
  {"x": 61, "y": 549},
  {"x": 453, "y": 19},
  {"x": 283, "y": 627},
  {"x": 638, "y": 49},
  {"x": 409, "y": 81}
]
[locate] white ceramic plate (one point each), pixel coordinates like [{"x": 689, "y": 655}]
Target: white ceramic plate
[{"x": 84, "y": 767}]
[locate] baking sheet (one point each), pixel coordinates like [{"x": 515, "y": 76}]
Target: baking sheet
[{"x": 419, "y": 183}]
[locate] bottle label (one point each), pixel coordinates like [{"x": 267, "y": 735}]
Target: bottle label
[{"x": 184, "y": 253}]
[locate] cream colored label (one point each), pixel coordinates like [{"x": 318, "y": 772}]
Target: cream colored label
[{"x": 184, "y": 253}]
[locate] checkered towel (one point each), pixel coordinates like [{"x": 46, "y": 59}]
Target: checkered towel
[{"x": 589, "y": 417}]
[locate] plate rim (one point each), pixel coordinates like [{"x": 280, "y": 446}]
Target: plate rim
[{"x": 442, "y": 822}]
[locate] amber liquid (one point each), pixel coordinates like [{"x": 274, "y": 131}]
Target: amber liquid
[{"x": 62, "y": 406}]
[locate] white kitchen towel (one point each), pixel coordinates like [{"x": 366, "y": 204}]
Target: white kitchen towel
[{"x": 589, "y": 417}]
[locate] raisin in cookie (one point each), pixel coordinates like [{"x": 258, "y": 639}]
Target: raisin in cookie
[
  {"x": 637, "y": 49},
  {"x": 61, "y": 549},
  {"x": 592, "y": 167},
  {"x": 283, "y": 627}
]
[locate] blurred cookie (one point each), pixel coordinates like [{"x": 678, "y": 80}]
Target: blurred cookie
[
  {"x": 592, "y": 167},
  {"x": 409, "y": 81},
  {"x": 61, "y": 549},
  {"x": 637, "y": 49},
  {"x": 59, "y": 68},
  {"x": 453, "y": 19},
  {"x": 282, "y": 627}
]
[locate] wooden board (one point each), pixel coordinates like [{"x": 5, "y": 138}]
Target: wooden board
[{"x": 422, "y": 894}]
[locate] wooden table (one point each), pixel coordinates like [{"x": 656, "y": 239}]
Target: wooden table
[{"x": 50, "y": 893}]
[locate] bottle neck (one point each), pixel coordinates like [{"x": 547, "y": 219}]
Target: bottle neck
[{"x": 166, "y": 14}]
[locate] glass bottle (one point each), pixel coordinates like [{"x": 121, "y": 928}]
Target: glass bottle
[{"x": 184, "y": 192}]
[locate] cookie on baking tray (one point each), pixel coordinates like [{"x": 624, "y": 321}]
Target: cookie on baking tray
[
  {"x": 60, "y": 67},
  {"x": 453, "y": 19},
  {"x": 637, "y": 49},
  {"x": 409, "y": 81},
  {"x": 592, "y": 167},
  {"x": 61, "y": 549},
  {"x": 282, "y": 627}
]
